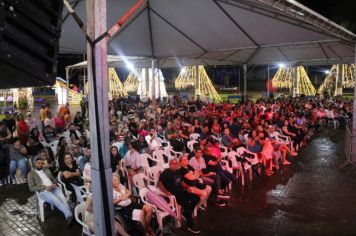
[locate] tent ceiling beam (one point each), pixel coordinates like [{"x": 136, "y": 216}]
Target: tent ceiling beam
[
  {"x": 252, "y": 56},
  {"x": 323, "y": 49},
  {"x": 283, "y": 54},
  {"x": 229, "y": 55},
  {"x": 335, "y": 53},
  {"x": 150, "y": 30},
  {"x": 124, "y": 26},
  {"x": 179, "y": 31},
  {"x": 235, "y": 23},
  {"x": 73, "y": 6},
  {"x": 308, "y": 24}
]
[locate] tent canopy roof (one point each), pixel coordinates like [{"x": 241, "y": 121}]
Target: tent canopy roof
[{"x": 214, "y": 32}]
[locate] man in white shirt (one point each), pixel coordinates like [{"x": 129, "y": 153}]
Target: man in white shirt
[
  {"x": 41, "y": 180},
  {"x": 154, "y": 143}
]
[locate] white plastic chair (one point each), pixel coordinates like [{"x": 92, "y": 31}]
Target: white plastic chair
[
  {"x": 41, "y": 203},
  {"x": 67, "y": 193},
  {"x": 332, "y": 122},
  {"x": 172, "y": 203},
  {"x": 190, "y": 145},
  {"x": 224, "y": 151},
  {"x": 217, "y": 137},
  {"x": 235, "y": 165},
  {"x": 194, "y": 136},
  {"x": 79, "y": 214},
  {"x": 158, "y": 155},
  {"x": 153, "y": 174},
  {"x": 170, "y": 152},
  {"x": 283, "y": 139},
  {"x": 160, "y": 214},
  {"x": 145, "y": 161},
  {"x": 53, "y": 146},
  {"x": 140, "y": 180},
  {"x": 80, "y": 193}
]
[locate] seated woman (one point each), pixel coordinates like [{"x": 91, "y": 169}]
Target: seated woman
[
  {"x": 89, "y": 219},
  {"x": 35, "y": 133},
  {"x": 71, "y": 173},
  {"x": 266, "y": 153},
  {"x": 33, "y": 147},
  {"x": 74, "y": 145},
  {"x": 216, "y": 127},
  {"x": 191, "y": 182},
  {"x": 126, "y": 207}
]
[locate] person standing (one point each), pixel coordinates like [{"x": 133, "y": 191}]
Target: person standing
[
  {"x": 10, "y": 122},
  {"x": 43, "y": 111},
  {"x": 5, "y": 137}
]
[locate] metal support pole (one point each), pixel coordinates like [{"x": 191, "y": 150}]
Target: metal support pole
[
  {"x": 67, "y": 90},
  {"x": 268, "y": 88},
  {"x": 84, "y": 78},
  {"x": 295, "y": 90},
  {"x": 353, "y": 137},
  {"x": 197, "y": 82},
  {"x": 338, "y": 81},
  {"x": 245, "y": 81},
  {"x": 154, "y": 67},
  {"x": 101, "y": 173},
  {"x": 147, "y": 82},
  {"x": 159, "y": 83}
]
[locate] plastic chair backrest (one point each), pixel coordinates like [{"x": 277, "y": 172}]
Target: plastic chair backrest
[
  {"x": 190, "y": 145},
  {"x": 160, "y": 155},
  {"x": 194, "y": 136},
  {"x": 140, "y": 180},
  {"x": 79, "y": 193},
  {"x": 79, "y": 214}
]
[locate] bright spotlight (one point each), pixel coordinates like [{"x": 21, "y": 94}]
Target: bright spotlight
[
  {"x": 130, "y": 66},
  {"x": 327, "y": 72},
  {"x": 182, "y": 70},
  {"x": 281, "y": 65}
]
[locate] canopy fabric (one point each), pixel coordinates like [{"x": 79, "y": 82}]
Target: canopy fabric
[{"x": 214, "y": 32}]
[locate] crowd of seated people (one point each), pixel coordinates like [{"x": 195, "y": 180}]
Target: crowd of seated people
[{"x": 190, "y": 142}]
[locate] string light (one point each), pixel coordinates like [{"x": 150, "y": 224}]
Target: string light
[
  {"x": 283, "y": 80},
  {"x": 347, "y": 74},
  {"x": 131, "y": 83},
  {"x": 187, "y": 79}
]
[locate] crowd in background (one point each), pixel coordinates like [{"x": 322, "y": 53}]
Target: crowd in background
[{"x": 196, "y": 138}]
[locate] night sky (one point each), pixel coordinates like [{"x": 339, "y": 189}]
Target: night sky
[{"x": 342, "y": 12}]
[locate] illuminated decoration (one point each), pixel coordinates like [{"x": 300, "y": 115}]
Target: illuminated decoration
[
  {"x": 188, "y": 78},
  {"x": 329, "y": 84},
  {"x": 146, "y": 90},
  {"x": 131, "y": 83},
  {"x": 61, "y": 92},
  {"x": 348, "y": 76},
  {"x": 116, "y": 88},
  {"x": 283, "y": 79},
  {"x": 22, "y": 97}
]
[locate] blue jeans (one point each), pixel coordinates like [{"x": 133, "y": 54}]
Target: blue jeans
[
  {"x": 56, "y": 198},
  {"x": 21, "y": 164}
]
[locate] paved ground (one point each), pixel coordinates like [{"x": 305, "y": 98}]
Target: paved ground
[{"x": 311, "y": 197}]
